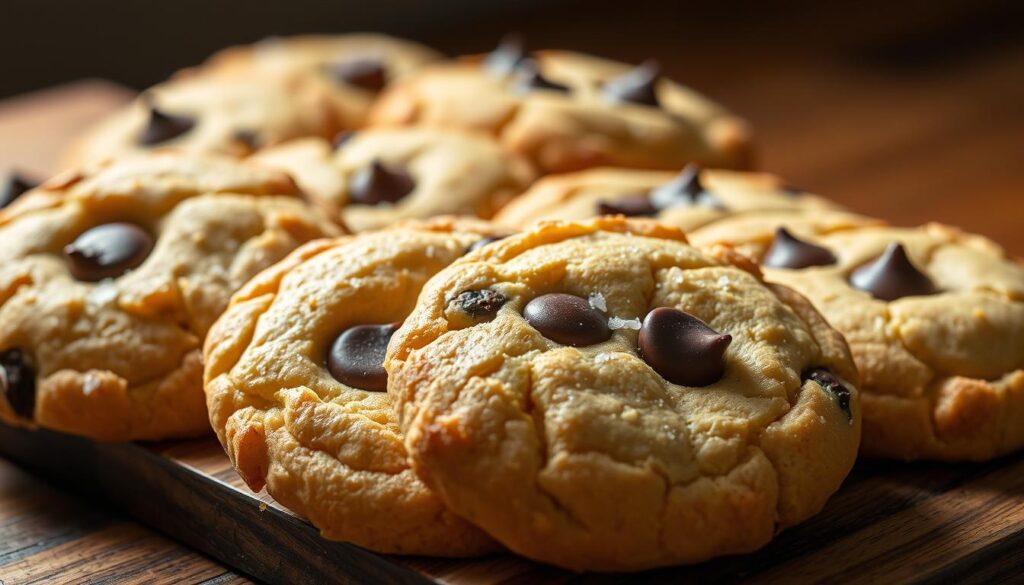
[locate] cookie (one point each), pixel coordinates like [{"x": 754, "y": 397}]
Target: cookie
[
  {"x": 935, "y": 320},
  {"x": 375, "y": 177},
  {"x": 110, "y": 278},
  {"x": 352, "y": 68},
  {"x": 232, "y": 115},
  {"x": 567, "y": 111},
  {"x": 604, "y": 396},
  {"x": 296, "y": 387}
]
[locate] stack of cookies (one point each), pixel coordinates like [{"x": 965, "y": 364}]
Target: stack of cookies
[{"x": 528, "y": 301}]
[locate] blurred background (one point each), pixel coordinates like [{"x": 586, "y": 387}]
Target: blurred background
[{"x": 907, "y": 110}]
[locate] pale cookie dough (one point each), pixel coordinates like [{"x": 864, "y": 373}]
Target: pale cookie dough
[
  {"x": 110, "y": 278},
  {"x": 577, "y": 451},
  {"x": 332, "y": 451}
]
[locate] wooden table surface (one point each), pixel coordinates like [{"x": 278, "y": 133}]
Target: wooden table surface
[{"x": 918, "y": 142}]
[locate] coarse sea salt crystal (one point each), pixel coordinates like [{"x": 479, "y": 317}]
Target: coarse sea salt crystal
[
  {"x": 602, "y": 358},
  {"x": 597, "y": 301},
  {"x": 723, "y": 281},
  {"x": 614, "y": 323},
  {"x": 103, "y": 293}
]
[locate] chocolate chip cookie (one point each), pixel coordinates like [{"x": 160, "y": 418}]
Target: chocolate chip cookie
[
  {"x": 935, "y": 321},
  {"x": 374, "y": 177},
  {"x": 111, "y": 276},
  {"x": 567, "y": 111},
  {"x": 296, "y": 387},
  {"x": 604, "y": 396}
]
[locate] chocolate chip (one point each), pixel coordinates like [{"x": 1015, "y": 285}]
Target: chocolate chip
[
  {"x": 681, "y": 348},
  {"x": 162, "y": 127},
  {"x": 528, "y": 78},
  {"x": 356, "y": 357},
  {"x": 379, "y": 183},
  {"x": 483, "y": 242},
  {"x": 479, "y": 304},
  {"x": 341, "y": 138},
  {"x": 567, "y": 319},
  {"x": 829, "y": 382},
  {"x": 632, "y": 205},
  {"x": 892, "y": 276},
  {"x": 107, "y": 251},
  {"x": 18, "y": 382},
  {"x": 366, "y": 73},
  {"x": 14, "y": 185},
  {"x": 685, "y": 189},
  {"x": 504, "y": 59},
  {"x": 249, "y": 138},
  {"x": 636, "y": 86},
  {"x": 787, "y": 251}
]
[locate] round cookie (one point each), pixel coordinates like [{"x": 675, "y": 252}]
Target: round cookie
[
  {"x": 532, "y": 385},
  {"x": 233, "y": 115},
  {"x": 295, "y": 387},
  {"x": 375, "y": 177},
  {"x": 567, "y": 111},
  {"x": 936, "y": 327},
  {"x": 110, "y": 278},
  {"x": 353, "y": 68}
]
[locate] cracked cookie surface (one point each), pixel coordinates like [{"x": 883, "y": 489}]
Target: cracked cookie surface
[
  {"x": 332, "y": 450},
  {"x": 111, "y": 276},
  {"x": 578, "y": 452}
]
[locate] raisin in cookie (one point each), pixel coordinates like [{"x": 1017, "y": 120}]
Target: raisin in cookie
[
  {"x": 604, "y": 396},
  {"x": 296, "y": 387},
  {"x": 567, "y": 111},
  {"x": 110, "y": 278},
  {"x": 375, "y": 177},
  {"x": 935, "y": 321}
]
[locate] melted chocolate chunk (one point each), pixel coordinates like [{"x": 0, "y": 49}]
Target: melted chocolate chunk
[
  {"x": 567, "y": 319},
  {"x": 636, "y": 86},
  {"x": 788, "y": 251},
  {"x": 366, "y": 73},
  {"x": 162, "y": 127},
  {"x": 529, "y": 78},
  {"x": 504, "y": 59},
  {"x": 686, "y": 190},
  {"x": 479, "y": 304},
  {"x": 341, "y": 138},
  {"x": 632, "y": 205},
  {"x": 892, "y": 276},
  {"x": 356, "y": 357},
  {"x": 379, "y": 183},
  {"x": 829, "y": 382},
  {"x": 483, "y": 242},
  {"x": 14, "y": 186},
  {"x": 18, "y": 382},
  {"x": 107, "y": 251},
  {"x": 681, "y": 348}
]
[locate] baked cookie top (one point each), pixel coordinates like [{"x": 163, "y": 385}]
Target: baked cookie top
[
  {"x": 233, "y": 115},
  {"x": 111, "y": 276},
  {"x": 353, "y": 68},
  {"x": 296, "y": 387},
  {"x": 374, "y": 177},
  {"x": 935, "y": 321},
  {"x": 604, "y": 396},
  {"x": 568, "y": 111}
]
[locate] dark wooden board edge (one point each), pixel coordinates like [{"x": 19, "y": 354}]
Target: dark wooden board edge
[{"x": 259, "y": 540}]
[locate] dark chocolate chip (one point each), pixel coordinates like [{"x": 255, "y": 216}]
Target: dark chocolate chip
[
  {"x": 685, "y": 190},
  {"x": 829, "y": 382},
  {"x": 356, "y": 357},
  {"x": 341, "y": 138},
  {"x": 379, "y": 183},
  {"x": 567, "y": 319},
  {"x": 528, "y": 78},
  {"x": 250, "y": 138},
  {"x": 681, "y": 348},
  {"x": 788, "y": 251},
  {"x": 632, "y": 205},
  {"x": 892, "y": 276},
  {"x": 367, "y": 73},
  {"x": 18, "y": 382},
  {"x": 107, "y": 251},
  {"x": 162, "y": 127},
  {"x": 636, "y": 86},
  {"x": 483, "y": 242},
  {"x": 506, "y": 57},
  {"x": 479, "y": 304},
  {"x": 14, "y": 185}
]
